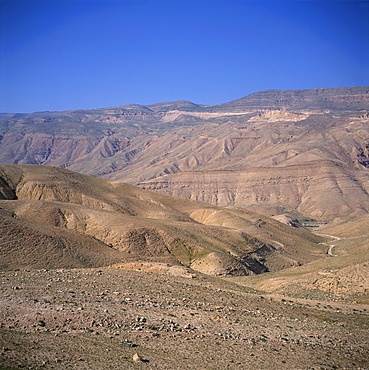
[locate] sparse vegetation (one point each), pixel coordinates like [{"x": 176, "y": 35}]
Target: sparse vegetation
[{"x": 99, "y": 274}]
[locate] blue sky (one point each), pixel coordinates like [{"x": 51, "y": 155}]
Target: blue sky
[{"x": 78, "y": 54}]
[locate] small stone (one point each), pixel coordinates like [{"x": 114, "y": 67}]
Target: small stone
[{"x": 137, "y": 358}]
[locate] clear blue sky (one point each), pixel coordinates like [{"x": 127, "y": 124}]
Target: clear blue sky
[{"x": 71, "y": 54}]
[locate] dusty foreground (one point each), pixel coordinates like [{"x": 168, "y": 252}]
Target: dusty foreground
[{"x": 101, "y": 318}]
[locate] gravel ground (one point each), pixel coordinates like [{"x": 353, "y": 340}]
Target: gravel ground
[{"x": 101, "y": 318}]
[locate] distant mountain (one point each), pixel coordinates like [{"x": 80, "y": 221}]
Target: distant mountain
[
  {"x": 304, "y": 152},
  {"x": 179, "y": 105},
  {"x": 352, "y": 98}
]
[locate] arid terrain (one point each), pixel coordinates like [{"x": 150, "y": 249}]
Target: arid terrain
[
  {"x": 95, "y": 272},
  {"x": 101, "y": 318},
  {"x": 272, "y": 151},
  {"x": 55, "y": 218},
  {"x": 209, "y": 237}
]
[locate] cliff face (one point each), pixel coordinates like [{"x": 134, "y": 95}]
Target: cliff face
[{"x": 176, "y": 147}]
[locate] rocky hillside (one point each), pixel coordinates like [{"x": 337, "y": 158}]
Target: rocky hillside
[
  {"x": 320, "y": 189},
  {"x": 52, "y": 218},
  {"x": 304, "y": 151}
]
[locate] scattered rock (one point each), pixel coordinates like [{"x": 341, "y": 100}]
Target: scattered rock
[{"x": 137, "y": 358}]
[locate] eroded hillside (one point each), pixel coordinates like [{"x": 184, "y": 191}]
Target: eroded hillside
[
  {"x": 52, "y": 217},
  {"x": 303, "y": 151},
  {"x": 342, "y": 276}
]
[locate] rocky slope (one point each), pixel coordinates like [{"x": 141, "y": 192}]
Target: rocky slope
[
  {"x": 100, "y": 318},
  {"x": 52, "y": 218},
  {"x": 315, "y": 141}
]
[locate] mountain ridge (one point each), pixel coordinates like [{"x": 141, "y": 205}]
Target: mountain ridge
[
  {"x": 140, "y": 144},
  {"x": 274, "y": 96},
  {"x": 324, "y": 98}
]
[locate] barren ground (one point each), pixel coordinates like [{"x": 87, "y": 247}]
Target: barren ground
[{"x": 99, "y": 318}]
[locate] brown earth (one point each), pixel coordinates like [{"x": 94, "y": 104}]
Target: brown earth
[
  {"x": 100, "y": 319},
  {"x": 341, "y": 277},
  {"x": 287, "y": 154},
  {"x": 352, "y": 98},
  {"x": 61, "y": 219}
]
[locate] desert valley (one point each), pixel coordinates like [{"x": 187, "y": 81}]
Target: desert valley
[{"x": 184, "y": 236}]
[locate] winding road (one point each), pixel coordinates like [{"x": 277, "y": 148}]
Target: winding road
[{"x": 331, "y": 246}]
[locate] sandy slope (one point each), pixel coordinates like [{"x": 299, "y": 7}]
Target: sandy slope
[{"x": 64, "y": 219}]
